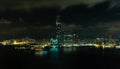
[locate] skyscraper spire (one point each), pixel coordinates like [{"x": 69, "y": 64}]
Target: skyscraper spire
[{"x": 58, "y": 20}]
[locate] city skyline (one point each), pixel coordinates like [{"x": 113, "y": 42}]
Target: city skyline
[
  {"x": 59, "y": 34},
  {"x": 39, "y": 20}
]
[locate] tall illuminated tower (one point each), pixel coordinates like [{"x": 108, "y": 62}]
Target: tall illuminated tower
[{"x": 58, "y": 29}]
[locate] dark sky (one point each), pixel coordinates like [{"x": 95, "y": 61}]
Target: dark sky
[{"x": 36, "y": 18}]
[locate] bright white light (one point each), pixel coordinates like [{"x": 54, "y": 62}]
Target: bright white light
[
  {"x": 107, "y": 46},
  {"x": 117, "y": 46}
]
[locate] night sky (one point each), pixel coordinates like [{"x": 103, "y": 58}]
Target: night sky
[{"x": 36, "y": 18}]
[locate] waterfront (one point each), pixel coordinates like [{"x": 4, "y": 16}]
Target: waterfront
[{"x": 60, "y": 58}]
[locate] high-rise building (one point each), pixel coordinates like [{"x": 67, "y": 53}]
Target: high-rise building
[
  {"x": 58, "y": 29},
  {"x": 68, "y": 39},
  {"x": 75, "y": 38}
]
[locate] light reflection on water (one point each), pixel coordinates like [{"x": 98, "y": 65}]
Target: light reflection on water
[
  {"x": 54, "y": 54},
  {"x": 40, "y": 53},
  {"x": 46, "y": 52},
  {"x": 66, "y": 57},
  {"x": 62, "y": 58},
  {"x": 69, "y": 50},
  {"x": 53, "y": 51}
]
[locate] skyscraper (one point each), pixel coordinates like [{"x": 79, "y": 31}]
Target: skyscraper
[
  {"x": 58, "y": 29},
  {"x": 68, "y": 40}
]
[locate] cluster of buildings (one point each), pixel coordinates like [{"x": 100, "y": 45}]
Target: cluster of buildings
[
  {"x": 63, "y": 38},
  {"x": 23, "y": 41},
  {"x": 69, "y": 39}
]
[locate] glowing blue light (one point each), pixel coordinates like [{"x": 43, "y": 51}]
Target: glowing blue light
[
  {"x": 54, "y": 41},
  {"x": 54, "y": 50}
]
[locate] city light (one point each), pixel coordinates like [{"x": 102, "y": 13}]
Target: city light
[{"x": 62, "y": 39}]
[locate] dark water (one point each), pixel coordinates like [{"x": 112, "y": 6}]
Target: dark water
[{"x": 60, "y": 58}]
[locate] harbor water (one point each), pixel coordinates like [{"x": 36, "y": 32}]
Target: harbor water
[{"x": 60, "y": 58}]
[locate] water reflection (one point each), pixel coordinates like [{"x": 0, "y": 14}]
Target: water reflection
[
  {"x": 67, "y": 57},
  {"x": 68, "y": 50},
  {"x": 54, "y": 50},
  {"x": 54, "y": 55},
  {"x": 41, "y": 53}
]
